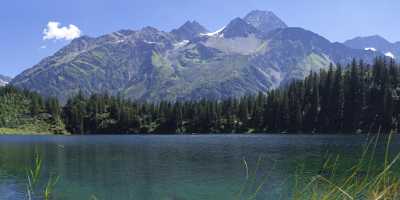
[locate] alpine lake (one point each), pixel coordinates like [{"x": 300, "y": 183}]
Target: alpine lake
[{"x": 175, "y": 167}]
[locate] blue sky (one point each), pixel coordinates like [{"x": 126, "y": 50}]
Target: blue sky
[{"x": 22, "y": 21}]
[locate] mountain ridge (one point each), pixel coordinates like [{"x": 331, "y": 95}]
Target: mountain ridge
[
  {"x": 375, "y": 43},
  {"x": 186, "y": 63}
]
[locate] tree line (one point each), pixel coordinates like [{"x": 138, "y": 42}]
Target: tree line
[{"x": 359, "y": 97}]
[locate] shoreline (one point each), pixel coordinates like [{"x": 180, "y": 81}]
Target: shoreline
[{"x": 20, "y": 132}]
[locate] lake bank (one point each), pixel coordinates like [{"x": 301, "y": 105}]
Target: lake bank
[{"x": 30, "y": 131}]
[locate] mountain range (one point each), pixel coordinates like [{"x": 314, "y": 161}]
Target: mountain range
[
  {"x": 375, "y": 43},
  {"x": 4, "y": 80},
  {"x": 248, "y": 55}
]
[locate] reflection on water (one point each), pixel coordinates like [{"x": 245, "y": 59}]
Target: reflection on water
[{"x": 166, "y": 167}]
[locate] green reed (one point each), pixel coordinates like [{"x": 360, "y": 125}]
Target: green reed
[{"x": 34, "y": 188}]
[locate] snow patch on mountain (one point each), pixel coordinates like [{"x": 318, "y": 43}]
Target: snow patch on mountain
[
  {"x": 3, "y": 83},
  {"x": 214, "y": 34},
  {"x": 390, "y": 54},
  {"x": 370, "y": 49},
  {"x": 181, "y": 44},
  {"x": 149, "y": 42}
]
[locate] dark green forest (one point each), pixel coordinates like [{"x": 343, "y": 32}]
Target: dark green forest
[
  {"x": 357, "y": 98},
  {"x": 27, "y": 112}
]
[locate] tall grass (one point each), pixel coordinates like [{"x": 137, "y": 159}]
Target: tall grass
[
  {"x": 370, "y": 178},
  {"x": 34, "y": 188},
  {"x": 251, "y": 182},
  {"x": 364, "y": 180}
]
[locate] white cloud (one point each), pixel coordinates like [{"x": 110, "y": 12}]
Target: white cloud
[
  {"x": 54, "y": 31},
  {"x": 43, "y": 47}
]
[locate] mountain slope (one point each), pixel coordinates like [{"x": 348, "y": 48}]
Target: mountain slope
[{"x": 185, "y": 64}]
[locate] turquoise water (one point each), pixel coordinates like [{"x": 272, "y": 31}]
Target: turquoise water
[{"x": 169, "y": 167}]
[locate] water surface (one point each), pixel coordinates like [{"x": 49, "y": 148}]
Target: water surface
[{"x": 169, "y": 167}]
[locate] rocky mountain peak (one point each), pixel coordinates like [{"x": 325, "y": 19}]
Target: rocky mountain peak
[
  {"x": 239, "y": 28},
  {"x": 264, "y": 21},
  {"x": 189, "y": 30}
]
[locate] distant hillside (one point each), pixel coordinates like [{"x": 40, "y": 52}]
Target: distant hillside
[{"x": 251, "y": 54}]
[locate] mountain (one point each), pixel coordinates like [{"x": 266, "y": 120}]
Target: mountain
[
  {"x": 239, "y": 28},
  {"x": 4, "y": 80},
  {"x": 186, "y": 64},
  {"x": 189, "y": 30},
  {"x": 298, "y": 51},
  {"x": 265, "y": 21},
  {"x": 375, "y": 43}
]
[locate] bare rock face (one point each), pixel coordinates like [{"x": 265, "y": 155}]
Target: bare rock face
[
  {"x": 265, "y": 21},
  {"x": 189, "y": 30}
]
